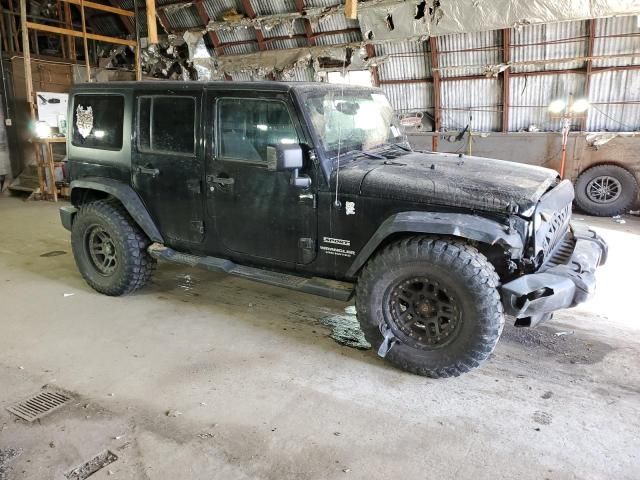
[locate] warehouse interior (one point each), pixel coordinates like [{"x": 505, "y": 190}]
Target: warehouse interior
[{"x": 200, "y": 371}]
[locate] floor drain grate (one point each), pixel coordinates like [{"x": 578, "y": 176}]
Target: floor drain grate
[{"x": 39, "y": 405}]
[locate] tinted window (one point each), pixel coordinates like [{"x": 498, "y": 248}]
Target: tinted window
[
  {"x": 97, "y": 121},
  {"x": 247, "y": 126},
  {"x": 166, "y": 124}
]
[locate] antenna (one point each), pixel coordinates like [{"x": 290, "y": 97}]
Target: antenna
[{"x": 337, "y": 203}]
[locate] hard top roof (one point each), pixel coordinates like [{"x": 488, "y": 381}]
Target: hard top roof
[{"x": 271, "y": 86}]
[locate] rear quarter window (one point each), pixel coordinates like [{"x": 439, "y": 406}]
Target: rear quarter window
[
  {"x": 166, "y": 124},
  {"x": 98, "y": 121}
]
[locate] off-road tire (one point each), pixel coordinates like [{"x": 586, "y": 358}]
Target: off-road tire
[
  {"x": 628, "y": 194},
  {"x": 134, "y": 265},
  {"x": 465, "y": 272}
]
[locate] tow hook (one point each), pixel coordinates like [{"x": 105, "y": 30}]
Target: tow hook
[{"x": 388, "y": 342}]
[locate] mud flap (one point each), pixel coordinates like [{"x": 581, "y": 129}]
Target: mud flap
[{"x": 388, "y": 342}]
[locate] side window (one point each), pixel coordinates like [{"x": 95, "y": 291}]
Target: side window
[
  {"x": 247, "y": 126},
  {"x": 166, "y": 124},
  {"x": 98, "y": 121}
]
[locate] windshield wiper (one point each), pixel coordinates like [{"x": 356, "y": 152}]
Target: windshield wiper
[{"x": 372, "y": 155}]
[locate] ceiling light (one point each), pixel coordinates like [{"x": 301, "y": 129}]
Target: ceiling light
[
  {"x": 581, "y": 105},
  {"x": 557, "y": 106}
]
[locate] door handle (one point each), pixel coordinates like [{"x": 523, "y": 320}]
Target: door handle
[
  {"x": 221, "y": 180},
  {"x": 154, "y": 172},
  {"x": 308, "y": 196}
]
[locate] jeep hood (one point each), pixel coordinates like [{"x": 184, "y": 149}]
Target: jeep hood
[{"x": 449, "y": 180}]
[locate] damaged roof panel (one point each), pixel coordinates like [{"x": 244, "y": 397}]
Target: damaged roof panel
[
  {"x": 340, "y": 38},
  {"x": 183, "y": 18},
  {"x": 285, "y": 43},
  {"x": 302, "y": 74},
  {"x": 272, "y": 7},
  {"x": 334, "y": 22},
  {"x": 443, "y": 17},
  {"x": 215, "y": 8},
  {"x": 282, "y": 30},
  {"x": 321, "y": 3},
  {"x": 241, "y": 49}
]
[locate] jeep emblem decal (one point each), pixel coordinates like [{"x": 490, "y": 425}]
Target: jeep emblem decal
[
  {"x": 84, "y": 120},
  {"x": 350, "y": 208}
]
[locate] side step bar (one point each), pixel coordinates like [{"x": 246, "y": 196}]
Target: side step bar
[{"x": 314, "y": 285}]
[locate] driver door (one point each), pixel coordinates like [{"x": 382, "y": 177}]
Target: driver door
[{"x": 259, "y": 213}]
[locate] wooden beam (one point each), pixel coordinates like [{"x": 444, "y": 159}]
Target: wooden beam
[
  {"x": 84, "y": 41},
  {"x": 351, "y": 9},
  {"x": 433, "y": 47},
  {"x": 104, "y": 8},
  {"x": 27, "y": 58},
  {"x": 506, "y": 75},
  {"x": 63, "y": 39},
  {"x": 71, "y": 42},
  {"x": 75, "y": 33},
  {"x": 152, "y": 26}
]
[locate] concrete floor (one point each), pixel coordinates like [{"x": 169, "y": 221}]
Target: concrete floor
[{"x": 260, "y": 391}]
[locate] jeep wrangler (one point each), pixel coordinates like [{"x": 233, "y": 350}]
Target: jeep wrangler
[{"x": 313, "y": 187}]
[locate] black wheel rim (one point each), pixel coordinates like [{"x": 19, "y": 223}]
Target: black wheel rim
[
  {"x": 102, "y": 250},
  {"x": 604, "y": 189},
  {"x": 423, "y": 312}
]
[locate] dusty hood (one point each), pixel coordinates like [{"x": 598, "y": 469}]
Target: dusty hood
[{"x": 450, "y": 180}]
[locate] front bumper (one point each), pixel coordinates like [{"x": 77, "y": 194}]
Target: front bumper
[{"x": 532, "y": 298}]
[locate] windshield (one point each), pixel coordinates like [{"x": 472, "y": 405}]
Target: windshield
[{"x": 352, "y": 121}]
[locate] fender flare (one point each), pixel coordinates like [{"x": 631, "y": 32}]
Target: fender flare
[
  {"x": 127, "y": 197},
  {"x": 463, "y": 225}
]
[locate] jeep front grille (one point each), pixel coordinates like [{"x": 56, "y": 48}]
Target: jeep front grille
[
  {"x": 552, "y": 219},
  {"x": 554, "y": 231}
]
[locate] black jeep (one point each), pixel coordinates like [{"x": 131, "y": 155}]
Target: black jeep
[{"x": 313, "y": 187}]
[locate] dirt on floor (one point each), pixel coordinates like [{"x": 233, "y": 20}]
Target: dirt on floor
[{"x": 203, "y": 375}]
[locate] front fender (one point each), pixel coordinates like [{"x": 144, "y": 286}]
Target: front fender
[
  {"x": 129, "y": 199},
  {"x": 462, "y": 225}
]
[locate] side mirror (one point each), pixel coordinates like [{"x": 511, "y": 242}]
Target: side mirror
[{"x": 282, "y": 157}]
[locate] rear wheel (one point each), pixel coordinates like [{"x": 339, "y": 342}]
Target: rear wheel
[
  {"x": 606, "y": 190},
  {"x": 110, "y": 250},
  {"x": 430, "y": 306}
]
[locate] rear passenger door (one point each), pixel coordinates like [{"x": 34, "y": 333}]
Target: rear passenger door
[{"x": 167, "y": 163}]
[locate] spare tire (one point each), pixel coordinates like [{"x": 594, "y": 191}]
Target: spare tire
[{"x": 606, "y": 190}]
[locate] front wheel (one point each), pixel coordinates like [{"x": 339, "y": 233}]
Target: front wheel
[{"x": 430, "y": 306}]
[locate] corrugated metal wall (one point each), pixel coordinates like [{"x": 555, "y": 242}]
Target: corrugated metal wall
[{"x": 534, "y": 82}]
